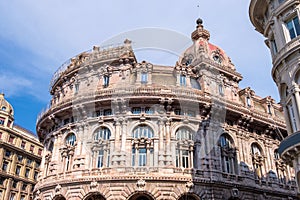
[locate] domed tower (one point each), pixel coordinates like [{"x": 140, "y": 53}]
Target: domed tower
[
  {"x": 6, "y": 112},
  {"x": 278, "y": 21},
  {"x": 117, "y": 128}
]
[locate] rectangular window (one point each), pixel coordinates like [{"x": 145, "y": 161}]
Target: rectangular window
[
  {"x": 105, "y": 81},
  {"x": 40, "y": 152},
  {"x": 182, "y": 80},
  {"x": 136, "y": 110},
  {"x": 142, "y": 157},
  {"x": 185, "y": 158},
  {"x": 293, "y": 27},
  {"x": 22, "y": 197},
  {"x": 18, "y": 170},
  {"x": 100, "y": 158},
  {"x": 2, "y": 121},
  {"x": 11, "y": 139},
  {"x": 177, "y": 158},
  {"x": 2, "y": 180},
  {"x": 31, "y": 148},
  {"x": 178, "y": 112},
  {"x": 274, "y": 47},
  {"x": 29, "y": 161},
  {"x": 221, "y": 92},
  {"x": 7, "y": 153},
  {"x": 27, "y": 172},
  {"x": 248, "y": 101},
  {"x": 23, "y": 144},
  {"x": 191, "y": 113},
  {"x": 280, "y": 1},
  {"x": 149, "y": 110},
  {"x": 107, "y": 112},
  {"x": 12, "y": 196},
  {"x": 144, "y": 77},
  {"x": 133, "y": 157},
  {"x": 5, "y": 166},
  {"x": 20, "y": 158},
  {"x": 35, "y": 175},
  {"x": 15, "y": 184},
  {"x": 24, "y": 186}
]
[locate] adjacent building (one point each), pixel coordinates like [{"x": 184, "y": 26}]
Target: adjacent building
[
  {"x": 278, "y": 21},
  {"x": 20, "y": 157},
  {"x": 121, "y": 129}
]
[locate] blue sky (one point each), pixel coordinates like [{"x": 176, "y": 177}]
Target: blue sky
[{"x": 36, "y": 37}]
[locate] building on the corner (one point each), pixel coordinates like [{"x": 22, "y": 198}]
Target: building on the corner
[
  {"x": 278, "y": 21},
  {"x": 20, "y": 157},
  {"x": 121, "y": 129}
]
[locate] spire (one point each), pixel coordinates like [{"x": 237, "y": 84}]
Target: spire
[{"x": 200, "y": 32}]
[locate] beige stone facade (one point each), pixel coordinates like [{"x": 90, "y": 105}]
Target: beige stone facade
[
  {"x": 20, "y": 157},
  {"x": 122, "y": 129},
  {"x": 278, "y": 21}
]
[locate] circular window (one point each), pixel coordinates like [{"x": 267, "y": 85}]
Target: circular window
[{"x": 4, "y": 108}]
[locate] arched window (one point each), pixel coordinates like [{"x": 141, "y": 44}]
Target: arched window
[
  {"x": 142, "y": 149},
  {"x": 228, "y": 154},
  {"x": 102, "y": 133},
  {"x": 257, "y": 160},
  {"x": 184, "y": 134},
  {"x": 101, "y": 147},
  {"x": 143, "y": 131},
  {"x": 71, "y": 139},
  {"x": 184, "y": 150}
]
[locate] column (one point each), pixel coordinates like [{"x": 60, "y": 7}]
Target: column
[
  {"x": 117, "y": 135},
  {"x": 297, "y": 99},
  {"x": 192, "y": 157},
  {"x": 294, "y": 104},
  {"x": 124, "y": 136},
  {"x": 287, "y": 117}
]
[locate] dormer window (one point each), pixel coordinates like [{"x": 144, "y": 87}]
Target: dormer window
[
  {"x": 182, "y": 80},
  {"x": 144, "y": 77},
  {"x": 269, "y": 109},
  {"x": 217, "y": 59},
  {"x": 105, "y": 81},
  {"x": 248, "y": 101}
]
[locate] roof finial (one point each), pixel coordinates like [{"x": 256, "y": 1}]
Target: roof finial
[{"x": 199, "y": 21}]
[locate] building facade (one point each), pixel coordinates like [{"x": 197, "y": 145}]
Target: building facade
[
  {"x": 278, "y": 21},
  {"x": 20, "y": 157},
  {"x": 117, "y": 128}
]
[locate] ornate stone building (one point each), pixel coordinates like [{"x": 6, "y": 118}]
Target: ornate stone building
[
  {"x": 20, "y": 157},
  {"x": 117, "y": 128},
  {"x": 278, "y": 21}
]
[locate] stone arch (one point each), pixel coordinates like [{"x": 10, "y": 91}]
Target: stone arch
[
  {"x": 141, "y": 196},
  {"x": 59, "y": 197},
  {"x": 177, "y": 126},
  {"x": 94, "y": 196},
  {"x": 106, "y": 125},
  {"x": 189, "y": 196},
  {"x": 68, "y": 134},
  {"x": 134, "y": 125}
]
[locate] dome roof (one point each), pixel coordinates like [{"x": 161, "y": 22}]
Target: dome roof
[
  {"x": 5, "y": 106},
  {"x": 202, "y": 47}
]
